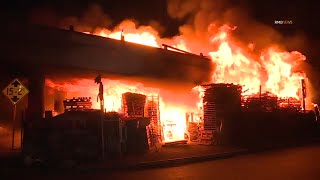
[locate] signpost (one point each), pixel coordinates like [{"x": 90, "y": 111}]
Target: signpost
[{"x": 15, "y": 91}]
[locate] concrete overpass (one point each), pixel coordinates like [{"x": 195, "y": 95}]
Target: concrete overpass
[
  {"x": 34, "y": 47},
  {"x": 33, "y": 52}
]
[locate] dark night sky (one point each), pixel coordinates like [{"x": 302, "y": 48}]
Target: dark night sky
[{"x": 304, "y": 13}]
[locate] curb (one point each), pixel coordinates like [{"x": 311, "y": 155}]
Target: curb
[
  {"x": 186, "y": 160},
  {"x": 166, "y": 163}
]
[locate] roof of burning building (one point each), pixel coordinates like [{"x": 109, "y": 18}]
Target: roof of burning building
[{"x": 32, "y": 47}]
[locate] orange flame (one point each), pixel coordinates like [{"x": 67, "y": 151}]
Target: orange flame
[
  {"x": 236, "y": 63},
  {"x": 143, "y": 35},
  {"x": 273, "y": 70}
]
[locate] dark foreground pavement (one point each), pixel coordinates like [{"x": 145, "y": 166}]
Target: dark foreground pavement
[
  {"x": 162, "y": 157},
  {"x": 285, "y": 164},
  {"x": 10, "y": 159},
  {"x": 167, "y": 156}
]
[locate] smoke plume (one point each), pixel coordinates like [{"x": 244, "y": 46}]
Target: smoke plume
[
  {"x": 94, "y": 17},
  {"x": 205, "y": 17}
]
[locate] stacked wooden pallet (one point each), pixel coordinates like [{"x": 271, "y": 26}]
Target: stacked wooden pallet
[
  {"x": 193, "y": 129},
  {"x": 220, "y": 103},
  {"x": 289, "y": 103},
  {"x": 77, "y": 103},
  {"x": 219, "y": 99},
  {"x": 265, "y": 102},
  {"x": 206, "y": 137},
  {"x": 133, "y": 104},
  {"x": 209, "y": 116},
  {"x": 152, "y": 111}
]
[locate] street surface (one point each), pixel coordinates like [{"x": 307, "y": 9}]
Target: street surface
[{"x": 302, "y": 163}]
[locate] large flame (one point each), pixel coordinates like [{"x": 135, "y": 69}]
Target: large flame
[
  {"x": 173, "y": 113},
  {"x": 236, "y": 63},
  {"x": 272, "y": 69}
]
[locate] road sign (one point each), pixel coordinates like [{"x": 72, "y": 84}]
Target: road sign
[{"x": 15, "y": 91}]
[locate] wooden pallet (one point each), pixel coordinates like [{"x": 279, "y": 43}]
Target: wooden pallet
[{"x": 77, "y": 103}]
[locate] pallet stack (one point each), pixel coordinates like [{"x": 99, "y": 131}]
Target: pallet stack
[
  {"x": 75, "y": 104},
  {"x": 289, "y": 103},
  {"x": 266, "y": 102},
  {"x": 133, "y": 104},
  {"x": 206, "y": 137},
  {"x": 193, "y": 129},
  {"x": 219, "y": 101},
  {"x": 152, "y": 111},
  {"x": 219, "y": 98}
]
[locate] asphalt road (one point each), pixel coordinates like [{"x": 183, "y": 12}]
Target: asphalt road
[{"x": 302, "y": 163}]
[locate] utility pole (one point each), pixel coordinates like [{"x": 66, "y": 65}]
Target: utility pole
[
  {"x": 304, "y": 94},
  {"x": 100, "y": 97}
]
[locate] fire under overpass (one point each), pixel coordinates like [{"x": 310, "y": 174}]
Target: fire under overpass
[{"x": 34, "y": 52}]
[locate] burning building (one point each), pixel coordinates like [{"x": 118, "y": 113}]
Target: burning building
[{"x": 61, "y": 64}]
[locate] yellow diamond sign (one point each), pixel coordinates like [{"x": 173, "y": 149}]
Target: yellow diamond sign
[{"x": 15, "y": 91}]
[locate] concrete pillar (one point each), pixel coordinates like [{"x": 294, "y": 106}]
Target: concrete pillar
[
  {"x": 34, "y": 114},
  {"x": 35, "y": 111},
  {"x": 58, "y": 101}
]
